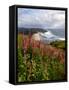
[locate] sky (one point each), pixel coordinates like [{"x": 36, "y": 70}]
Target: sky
[{"x": 40, "y": 18}]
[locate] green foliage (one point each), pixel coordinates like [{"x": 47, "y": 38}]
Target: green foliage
[
  {"x": 58, "y": 44},
  {"x": 55, "y": 69},
  {"x": 20, "y": 40},
  {"x": 21, "y": 67},
  {"x": 36, "y": 67}
]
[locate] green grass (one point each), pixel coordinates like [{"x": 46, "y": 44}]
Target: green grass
[
  {"x": 20, "y": 40},
  {"x": 58, "y": 44}
]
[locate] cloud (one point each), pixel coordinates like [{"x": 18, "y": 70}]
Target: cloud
[{"x": 39, "y": 18}]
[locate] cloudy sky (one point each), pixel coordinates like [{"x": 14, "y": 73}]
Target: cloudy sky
[{"x": 40, "y": 18}]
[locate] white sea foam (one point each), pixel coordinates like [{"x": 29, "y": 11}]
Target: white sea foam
[{"x": 47, "y": 36}]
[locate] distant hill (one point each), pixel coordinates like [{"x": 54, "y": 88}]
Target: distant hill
[{"x": 31, "y": 30}]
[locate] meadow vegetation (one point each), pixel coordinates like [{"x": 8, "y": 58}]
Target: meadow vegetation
[{"x": 38, "y": 61}]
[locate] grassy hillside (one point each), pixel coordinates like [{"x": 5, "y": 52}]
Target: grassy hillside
[{"x": 58, "y": 44}]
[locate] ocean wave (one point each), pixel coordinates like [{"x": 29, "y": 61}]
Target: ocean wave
[{"x": 50, "y": 36}]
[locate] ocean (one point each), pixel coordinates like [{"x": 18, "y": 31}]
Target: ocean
[{"x": 58, "y": 32}]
